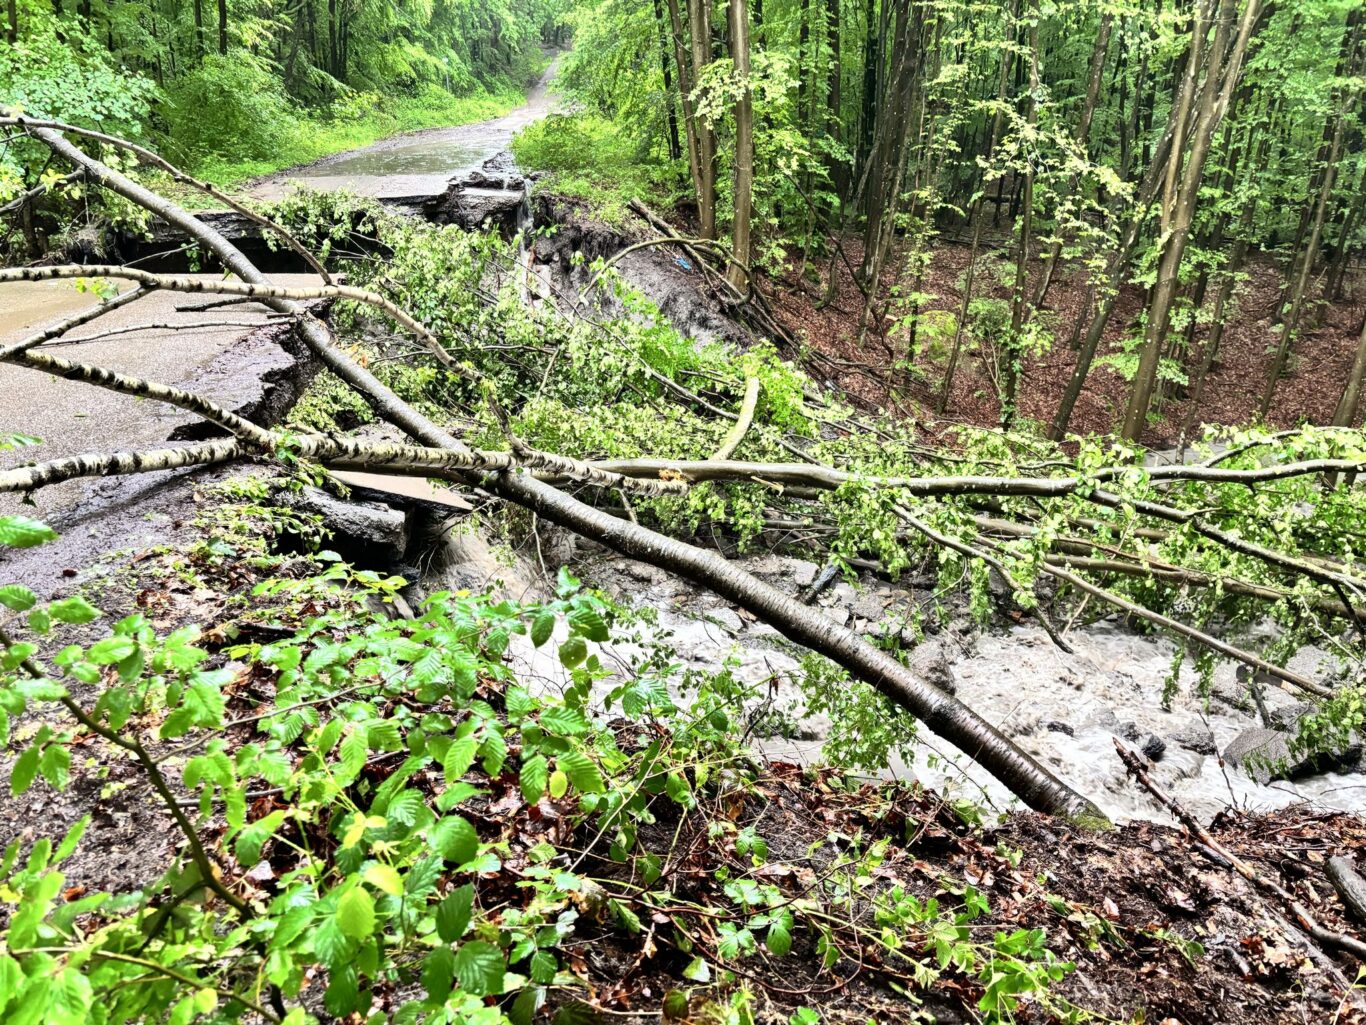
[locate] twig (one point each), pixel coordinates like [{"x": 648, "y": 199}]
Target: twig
[
  {"x": 741, "y": 426},
  {"x": 1340, "y": 941}
]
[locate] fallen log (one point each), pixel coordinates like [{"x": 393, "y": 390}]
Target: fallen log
[
  {"x": 1351, "y": 887},
  {"x": 940, "y": 712}
]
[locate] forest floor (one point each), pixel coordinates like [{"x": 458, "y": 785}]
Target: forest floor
[{"x": 880, "y": 374}]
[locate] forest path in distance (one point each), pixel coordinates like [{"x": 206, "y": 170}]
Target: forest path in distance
[{"x": 417, "y": 163}]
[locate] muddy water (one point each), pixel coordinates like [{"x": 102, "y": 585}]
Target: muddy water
[{"x": 30, "y": 305}]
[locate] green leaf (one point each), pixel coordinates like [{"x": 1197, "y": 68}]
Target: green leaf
[
  {"x": 385, "y": 878},
  {"x": 480, "y": 967},
  {"x": 459, "y": 758},
  {"x": 329, "y": 943},
  {"x": 438, "y": 974},
  {"x": 559, "y": 784},
  {"x": 25, "y": 770},
  {"x": 454, "y": 839},
  {"x": 111, "y": 650},
  {"x": 453, "y": 914},
  {"x": 493, "y": 751},
  {"x": 75, "y": 610},
  {"x": 563, "y": 721},
  {"x": 589, "y": 622},
  {"x": 582, "y": 772},
  {"x": 698, "y": 971},
  {"x": 55, "y": 765},
  {"x": 24, "y": 532},
  {"x": 17, "y": 598},
  {"x": 573, "y": 651},
  {"x": 356, "y": 913},
  {"x": 779, "y": 940},
  {"x": 253, "y": 838},
  {"x": 533, "y": 778},
  {"x": 542, "y": 627},
  {"x": 543, "y": 967}
]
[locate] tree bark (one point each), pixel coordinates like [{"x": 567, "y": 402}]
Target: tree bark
[
  {"x": 737, "y": 273},
  {"x": 1088, "y": 113},
  {"x": 699, "y": 21},
  {"x": 940, "y": 712},
  {"x": 1346, "y": 412},
  {"x": 1327, "y": 179},
  {"x": 670, "y": 113},
  {"x": 1019, "y": 298}
]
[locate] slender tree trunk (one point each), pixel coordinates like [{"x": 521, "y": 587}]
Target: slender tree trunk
[
  {"x": 1221, "y": 79},
  {"x": 1291, "y": 322},
  {"x": 834, "y": 101},
  {"x": 699, "y": 23},
  {"x": 1019, "y": 298},
  {"x": 223, "y": 27},
  {"x": 975, "y": 215},
  {"x": 736, "y": 273},
  {"x": 686, "y": 83},
  {"x": 12, "y": 31},
  {"x": 1346, "y": 412},
  {"x": 670, "y": 112},
  {"x": 1088, "y": 112},
  {"x": 1342, "y": 256}
]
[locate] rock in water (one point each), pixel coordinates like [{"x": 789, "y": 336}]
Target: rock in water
[
  {"x": 932, "y": 662},
  {"x": 1265, "y": 755}
]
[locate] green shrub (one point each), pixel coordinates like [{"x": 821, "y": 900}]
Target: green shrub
[
  {"x": 591, "y": 158},
  {"x": 229, "y": 108}
]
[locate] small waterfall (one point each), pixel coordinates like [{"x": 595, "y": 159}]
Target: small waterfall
[{"x": 526, "y": 248}]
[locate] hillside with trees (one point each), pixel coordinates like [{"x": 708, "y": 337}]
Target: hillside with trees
[{"x": 847, "y": 512}]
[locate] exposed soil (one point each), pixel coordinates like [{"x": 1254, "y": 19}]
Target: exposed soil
[
  {"x": 1156, "y": 930},
  {"x": 1309, "y": 392}
]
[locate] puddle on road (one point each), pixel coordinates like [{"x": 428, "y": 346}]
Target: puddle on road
[
  {"x": 30, "y": 304},
  {"x": 417, "y": 157}
]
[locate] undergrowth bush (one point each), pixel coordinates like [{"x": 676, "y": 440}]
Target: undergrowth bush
[
  {"x": 593, "y": 159},
  {"x": 403, "y": 829}
]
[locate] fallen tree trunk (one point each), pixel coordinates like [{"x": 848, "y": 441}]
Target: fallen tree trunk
[{"x": 941, "y": 713}]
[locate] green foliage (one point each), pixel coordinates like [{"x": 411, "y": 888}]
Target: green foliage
[
  {"x": 593, "y": 159},
  {"x": 358, "y": 881}
]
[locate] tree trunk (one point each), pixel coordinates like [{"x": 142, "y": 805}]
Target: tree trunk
[
  {"x": 670, "y": 113},
  {"x": 839, "y": 176},
  {"x": 1346, "y": 412},
  {"x": 1221, "y": 79},
  {"x": 686, "y": 83},
  {"x": 1088, "y": 112},
  {"x": 223, "y": 27},
  {"x": 737, "y": 273},
  {"x": 1019, "y": 300},
  {"x": 699, "y": 23},
  {"x": 940, "y": 712},
  {"x": 12, "y": 31},
  {"x": 1291, "y": 322}
]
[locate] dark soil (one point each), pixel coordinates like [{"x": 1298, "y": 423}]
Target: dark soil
[
  {"x": 1156, "y": 931},
  {"x": 877, "y": 372}
]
